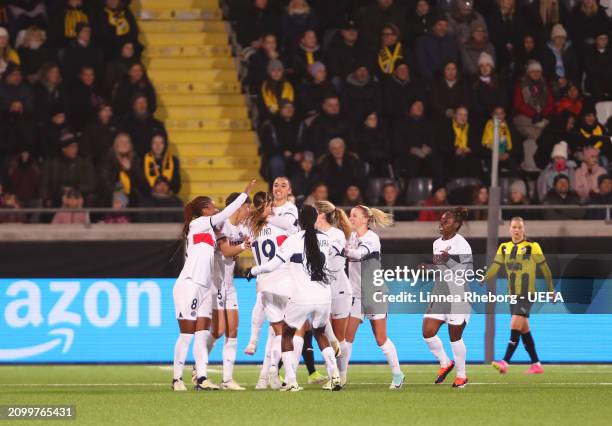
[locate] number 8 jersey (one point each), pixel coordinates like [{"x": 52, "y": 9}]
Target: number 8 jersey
[{"x": 265, "y": 246}]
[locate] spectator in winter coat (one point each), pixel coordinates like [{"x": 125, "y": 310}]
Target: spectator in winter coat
[
  {"x": 135, "y": 82},
  {"x": 372, "y": 146},
  {"x": 373, "y": 18},
  {"x": 488, "y": 91},
  {"x": 436, "y": 49},
  {"x": 524, "y": 54},
  {"x": 23, "y": 176},
  {"x": 159, "y": 162},
  {"x": 345, "y": 51},
  {"x": 33, "y": 53},
  {"x": 399, "y": 92},
  {"x": 67, "y": 170},
  {"x": 259, "y": 19},
  {"x": 352, "y": 196},
  {"x": 84, "y": 99},
  {"x": 437, "y": 199},
  {"x": 461, "y": 19},
  {"x": 314, "y": 90},
  {"x": 588, "y": 173},
  {"x": 307, "y": 53},
  {"x": 587, "y": 18},
  {"x": 340, "y": 168},
  {"x": 71, "y": 200},
  {"x": 448, "y": 92},
  {"x": 62, "y": 25},
  {"x": 598, "y": 68},
  {"x": 389, "y": 199},
  {"x": 16, "y": 114},
  {"x": 162, "y": 196},
  {"x": 117, "y": 68},
  {"x": 279, "y": 143},
  {"x": 297, "y": 18},
  {"x": 114, "y": 25},
  {"x": 304, "y": 180},
  {"x": 506, "y": 27},
  {"x": 274, "y": 90},
  {"x": 326, "y": 126},
  {"x": 559, "y": 165},
  {"x": 259, "y": 61},
  {"x": 414, "y": 148},
  {"x": 419, "y": 22},
  {"x": 603, "y": 196},
  {"x": 533, "y": 104},
  {"x": 544, "y": 14},
  {"x": 361, "y": 95},
  {"x": 391, "y": 52},
  {"x": 7, "y": 53},
  {"x": 81, "y": 52},
  {"x": 592, "y": 133},
  {"x": 98, "y": 135},
  {"x": 319, "y": 193},
  {"x": 459, "y": 144},
  {"x": 477, "y": 44},
  {"x": 562, "y": 194},
  {"x": 509, "y": 158},
  {"x": 518, "y": 199},
  {"x": 120, "y": 201},
  {"x": 561, "y": 128},
  {"x": 570, "y": 101},
  {"x": 141, "y": 125},
  {"x": 559, "y": 61}
]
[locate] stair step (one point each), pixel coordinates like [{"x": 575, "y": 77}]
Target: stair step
[
  {"x": 215, "y": 149},
  {"x": 163, "y": 87},
  {"x": 197, "y": 100},
  {"x": 213, "y": 76},
  {"x": 218, "y": 196},
  {"x": 208, "y": 162},
  {"x": 172, "y": 26},
  {"x": 183, "y": 4},
  {"x": 222, "y": 138},
  {"x": 184, "y": 39},
  {"x": 191, "y": 63},
  {"x": 234, "y": 174},
  {"x": 208, "y": 125},
  {"x": 201, "y": 112},
  {"x": 222, "y": 189},
  {"x": 187, "y": 51},
  {"x": 179, "y": 14}
]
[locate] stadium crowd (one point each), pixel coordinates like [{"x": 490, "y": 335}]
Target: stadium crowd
[
  {"x": 351, "y": 92},
  {"x": 76, "y": 113}
]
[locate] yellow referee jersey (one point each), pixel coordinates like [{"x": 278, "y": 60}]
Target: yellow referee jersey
[{"x": 521, "y": 261}]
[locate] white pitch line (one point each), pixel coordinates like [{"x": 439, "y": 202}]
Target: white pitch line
[
  {"x": 407, "y": 384},
  {"x": 170, "y": 368}
]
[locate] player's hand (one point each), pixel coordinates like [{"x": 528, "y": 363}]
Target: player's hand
[
  {"x": 250, "y": 186},
  {"x": 247, "y": 244}
]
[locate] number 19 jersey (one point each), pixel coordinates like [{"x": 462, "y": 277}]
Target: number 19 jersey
[{"x": 265, "y": 246}]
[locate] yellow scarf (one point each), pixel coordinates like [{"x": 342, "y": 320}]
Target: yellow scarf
[
  {"x": 72, "y": 18},
  {"x": 269, "y": 97},
  {"x": 126, "y": 183},
  {"x": 461, "y": 135},
  {"x": 152, "y": 170},
  {"x": 309, "y": 58},
  {"x": 387, "y": 60},
  {"x": 117, "y": 19},
  {"x": 504, "y": 134},
  {"x": 596, "y": 132}
]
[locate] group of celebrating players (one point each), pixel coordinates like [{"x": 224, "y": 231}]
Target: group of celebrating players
[{"x": 303, "y": 289}]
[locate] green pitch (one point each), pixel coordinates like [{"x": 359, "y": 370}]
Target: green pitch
[{"x": 127, "y": 395}]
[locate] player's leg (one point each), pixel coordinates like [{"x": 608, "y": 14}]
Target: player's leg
[
  {"x": 218, "y": 325},
  {"x": 529, "y": 344},
  {"x": 431, "y": 326},
  {"x": 295, "y": 317},
  {"x": 354, "y": 321},
  {"x": 186, "y": 296},
  {"x": 516, "y": 327},
  {"x": 257, "y": 319},
  {"x": 320, "y": 318},
  {"x": 314, "y": 377},
  {"x": 455, "y": 331},
  {"x": 231, "y": 345},
  {"x": 262, "y": 383},
  {"x": 341, "y": 309},
  {"x": 379, "y": 328}
]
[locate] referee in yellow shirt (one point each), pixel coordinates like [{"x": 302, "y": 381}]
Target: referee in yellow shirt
[{"x": 521, "y": 258}]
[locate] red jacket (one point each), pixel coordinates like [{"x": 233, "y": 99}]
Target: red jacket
[
  {"x": 566, "y": 104},
  {"x": 430, "y": 215},
  {"x": 521, "y": 107}
]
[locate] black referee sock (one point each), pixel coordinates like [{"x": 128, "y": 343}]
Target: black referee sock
[
  {"x": 308, "y": 353},
  {"x": 515, "y": 336},
  {"x": 530, "y": 347}
]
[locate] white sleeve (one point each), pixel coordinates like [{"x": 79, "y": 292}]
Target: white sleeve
[
  {"x": 365, "y": 247},
  {"x": 268, "y": 266},
  {"x": 200, "y": 224},
  {"x": 285, "y": 222},
  {"x": 228, "y": 210}
]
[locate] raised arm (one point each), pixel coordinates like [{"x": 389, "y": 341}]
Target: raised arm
[
  {"x": 285, "y": 222},
  {"x": 225, "y": 214},
  {"x": 268, "y": 266}
]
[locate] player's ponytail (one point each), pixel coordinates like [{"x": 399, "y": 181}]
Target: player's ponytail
[
  {"x": 256, "y": 219},
  {"x": 334, "y": 216},
  {"x": 376, "y": 217},
  {"x": 193, "y": 210},
  {"x": 315, "y": 260}
]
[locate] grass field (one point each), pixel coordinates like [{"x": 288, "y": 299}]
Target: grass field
[{"x": 126, "y": 395}]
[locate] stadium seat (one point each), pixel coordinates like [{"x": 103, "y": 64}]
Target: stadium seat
[
  {"x": 418, "y": 189},
  {"x": 374, "y": 190},
  {"x": 504, "y": 186},
  {"x": 604, "y": 111},
  {"x": 460, "y": 189}
]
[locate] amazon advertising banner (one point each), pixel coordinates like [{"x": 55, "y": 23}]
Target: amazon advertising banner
[{"x": 132, "y": 321}]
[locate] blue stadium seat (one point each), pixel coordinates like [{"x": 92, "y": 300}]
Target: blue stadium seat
[{"x": 418, "y": 189}]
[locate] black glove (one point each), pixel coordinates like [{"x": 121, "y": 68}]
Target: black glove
[{"x": 249, "y": 276}]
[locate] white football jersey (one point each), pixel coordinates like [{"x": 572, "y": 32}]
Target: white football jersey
[
  {"x": 305, "y": 291},
  {"x": 288, "y": 210},
  {"x": 265, "y": 246},
  {"x": 199, "y": 252},
  {"x": 361, "y": 248},
  {"x": 459, "y": 251},
  {"x": 224, "y": 266},
  {"x": 340, "y": 284}
]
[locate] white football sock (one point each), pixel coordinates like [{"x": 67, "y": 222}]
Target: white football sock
[
  {"x": 347, "y": 348},
  {"x": 229, "y": 358},
  {"x": 275, "y": 351},
  {"x": 257, "y": 319},
  {"x": 329, "y": 332},
  {"x": 263, "y": 374},
  {"x": 181, "y": 348},
  {"x": 437, "y": 349},
  {"x": 390, "y": 352},
  {"x": 330, "y": 362},
  {"x": 459, "y": 354},
  {"x": 200, "y": 354},
  {"x": 298, "y": 345},
  {"x": 290, "y": 373},
  {"x": 210, "y": 342}
]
